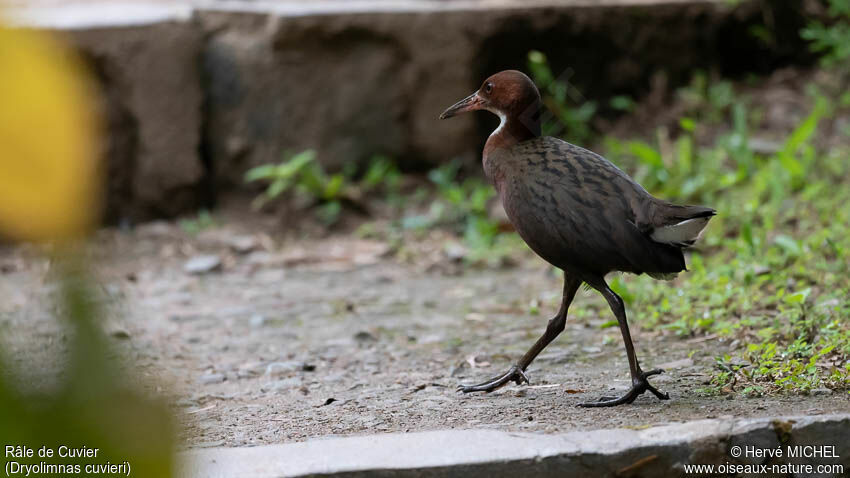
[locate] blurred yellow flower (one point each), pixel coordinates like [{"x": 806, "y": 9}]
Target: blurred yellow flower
[{"x": 49, "y": 181}]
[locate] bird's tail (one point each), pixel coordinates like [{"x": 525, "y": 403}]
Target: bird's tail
[{"x": 681, "y": 225}]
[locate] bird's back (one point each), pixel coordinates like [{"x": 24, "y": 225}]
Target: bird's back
[{"x": 581, "y": 213}]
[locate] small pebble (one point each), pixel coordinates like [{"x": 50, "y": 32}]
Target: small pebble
[
  {"x": 364, "y": 336},
  {"x": 276, "y": 369},
  {"x": 284, "y": 384},
  {"x": 252, "y": 368},
  {"x": 243, "y": 244},
  {"x": 120, "y": 334},
  {"x": 258, "y": 321},
  {"x": 455, "y": 252},
  {"x": 202, "y": 264},
  {"x": 829, "y": 303},
  {"x": 212, "y": 378}
]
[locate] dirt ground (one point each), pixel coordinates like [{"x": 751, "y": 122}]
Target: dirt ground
[{"x": 291, "y": 339}]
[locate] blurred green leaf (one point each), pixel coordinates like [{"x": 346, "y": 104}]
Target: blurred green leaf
[
  {"x": 572, "y": 113},
  {"x": 260, "y": 172},
  {"x": 646, "y": 154},
  {"x": 277, "y": 187},
  {"x": 623, "y": 103},
  {"x": 798, "y": 297},
  {"x": 98, "y": 405},
  {"x": 789, "y": 244},
  {"x": 618, "y": 285},
  {"x": 688, "y": 124},
  {"x": 333, "y": 188}
]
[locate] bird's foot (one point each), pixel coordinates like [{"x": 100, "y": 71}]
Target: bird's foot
[
  {"x": 639, "y": 386},
  {"x": 515, "y": 374}
]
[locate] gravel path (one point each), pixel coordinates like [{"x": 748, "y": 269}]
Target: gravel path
[{"x": 268, "y": 340}]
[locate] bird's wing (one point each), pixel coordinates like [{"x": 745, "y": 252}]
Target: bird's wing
[{"x": 586, "y": 208}]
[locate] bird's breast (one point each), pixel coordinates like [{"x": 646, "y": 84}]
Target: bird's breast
[{"x": 531, "y": 210}]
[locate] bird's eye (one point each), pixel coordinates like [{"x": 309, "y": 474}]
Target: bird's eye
[{"x": 488, "y": 88}]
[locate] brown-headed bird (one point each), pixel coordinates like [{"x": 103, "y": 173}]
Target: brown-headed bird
[{"x": 579, "y": 212}]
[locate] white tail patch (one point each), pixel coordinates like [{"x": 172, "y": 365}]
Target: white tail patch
[{"x": 684, "y": 233}]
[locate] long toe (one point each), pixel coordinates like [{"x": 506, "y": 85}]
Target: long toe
[
  {"x": 660, "y": 395},
  {"x": 514, "y": 374},
  {"x": 611, "y": 401},
  {"x": 639, "y": 386},
  {"x": 487, "y": 386}
]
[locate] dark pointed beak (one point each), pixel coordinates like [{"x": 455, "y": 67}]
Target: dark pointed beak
[{"x": 470, "y": 103}]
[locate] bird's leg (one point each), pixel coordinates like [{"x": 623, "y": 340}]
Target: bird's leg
[
  {"x": 640, "y": 384},
  {"x": 516, "y": 372}
]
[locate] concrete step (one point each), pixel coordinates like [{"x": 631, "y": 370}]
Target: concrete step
[{"x": 650, "y": 452}]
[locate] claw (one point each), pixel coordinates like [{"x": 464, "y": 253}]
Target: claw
[
  {"x": 521, "y": 376},
  {"x": 639, "y": 386},
  {"x": 515, "y": 374}
]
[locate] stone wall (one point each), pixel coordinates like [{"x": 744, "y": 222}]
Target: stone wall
[
  {"x": 195, "y": 95},
  {"x": 151, "y": 101}
]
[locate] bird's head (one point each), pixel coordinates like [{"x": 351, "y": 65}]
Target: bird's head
[{"x": 508, "y": 94}]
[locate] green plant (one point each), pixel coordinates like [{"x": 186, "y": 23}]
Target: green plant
[
  {"x": 280, "y": 177},
  {"x": 771, "y": 272},
  {"x": 708, "y": 100},
  {"x": 300, "y": 172},
  {"x": 572, "y": 114},
  {"x": 49, "y": 189},
  {"x": 460, "y": 204},
  {"x": 623, "y": 103},
  {"x": 193, "y": 226},
  {"x": 96, "y": 405},
  {"x": 325, "y": 193},
  {"x": 382, "y": 177},
  {"x": 685, "y": 172},
  {"x": 381, "y": 174},
  {"x": 463, "y": 206},
  {"x": 831, "y": 40}
]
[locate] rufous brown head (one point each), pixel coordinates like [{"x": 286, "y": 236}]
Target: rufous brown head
[{"x": 508, "y": 94}]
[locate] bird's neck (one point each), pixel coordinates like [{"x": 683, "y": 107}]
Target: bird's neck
[{"x": 513, "y": 129}]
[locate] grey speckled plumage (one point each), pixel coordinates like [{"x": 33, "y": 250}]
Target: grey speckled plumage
[{"x": 580, "y": 213}]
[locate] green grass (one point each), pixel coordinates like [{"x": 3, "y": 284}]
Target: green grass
[
  {"x": 96, "y": 404},
  {"x": 832, "y": 40},
  {"x": 462, "y": 206},
  {"x": 570, "y": 113},
  {"x": 195, "y": 225},
  {"x": 771, "y": 272},
  {"x": 785, "y": 300}
]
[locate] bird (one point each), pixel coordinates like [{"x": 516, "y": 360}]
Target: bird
[{"x": 580, "y": 213}]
